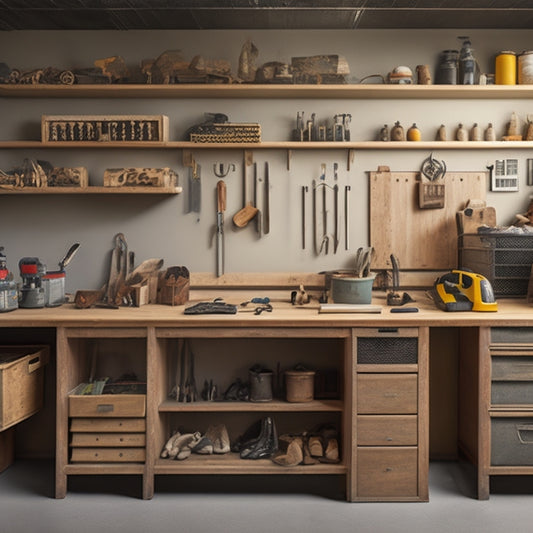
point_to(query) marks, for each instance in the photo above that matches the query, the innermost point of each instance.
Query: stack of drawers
(511, 403)
(108, 428)
(387, 422)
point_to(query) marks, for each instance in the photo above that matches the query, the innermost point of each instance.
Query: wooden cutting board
(421, 239)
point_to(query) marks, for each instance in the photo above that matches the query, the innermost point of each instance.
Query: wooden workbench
(149, 336)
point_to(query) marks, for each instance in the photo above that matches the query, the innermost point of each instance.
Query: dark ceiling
(262, 14)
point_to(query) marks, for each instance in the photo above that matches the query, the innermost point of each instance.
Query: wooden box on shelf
(104, 128)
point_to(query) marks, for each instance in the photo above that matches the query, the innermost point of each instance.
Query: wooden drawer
(387, 472)
(108, 425)
(387, 393)
(381, 430)
(108, 439)
(108, 455)
(107, 405)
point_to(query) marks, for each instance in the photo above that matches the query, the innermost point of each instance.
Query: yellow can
(505, 68)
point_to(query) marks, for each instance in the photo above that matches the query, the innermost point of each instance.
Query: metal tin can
(505, 68)
(525, 68)
(447, 69)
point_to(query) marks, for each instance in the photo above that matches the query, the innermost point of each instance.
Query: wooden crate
(7, 448)
(104, 128)
(21, 382)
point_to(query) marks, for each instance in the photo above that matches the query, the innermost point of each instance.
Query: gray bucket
(346, 289)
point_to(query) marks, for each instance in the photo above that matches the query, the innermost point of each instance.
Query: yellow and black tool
(463, 290)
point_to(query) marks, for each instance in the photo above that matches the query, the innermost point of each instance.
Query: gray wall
(45, 226)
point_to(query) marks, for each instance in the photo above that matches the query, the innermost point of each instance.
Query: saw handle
(221, 196)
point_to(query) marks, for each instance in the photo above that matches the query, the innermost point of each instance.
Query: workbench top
(511, 312)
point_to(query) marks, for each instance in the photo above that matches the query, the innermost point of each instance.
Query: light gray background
(45, 226)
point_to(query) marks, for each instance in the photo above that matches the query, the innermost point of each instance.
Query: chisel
(221, 207)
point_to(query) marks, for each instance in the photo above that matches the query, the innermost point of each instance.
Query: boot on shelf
(265, 445)
(218, 435)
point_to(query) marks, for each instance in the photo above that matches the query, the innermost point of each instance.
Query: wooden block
(140, 177)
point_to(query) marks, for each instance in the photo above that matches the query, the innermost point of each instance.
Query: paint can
(505, 67)
(525, 68)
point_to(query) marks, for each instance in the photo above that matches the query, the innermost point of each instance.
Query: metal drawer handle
(105, 408)
(522, 430)
(388, 469)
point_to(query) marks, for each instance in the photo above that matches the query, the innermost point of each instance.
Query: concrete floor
(251, 505)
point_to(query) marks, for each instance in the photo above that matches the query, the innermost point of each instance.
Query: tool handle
(221, 196)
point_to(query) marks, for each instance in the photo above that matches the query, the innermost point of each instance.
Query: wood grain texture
(421, 239)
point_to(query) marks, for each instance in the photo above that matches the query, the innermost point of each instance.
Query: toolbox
(21, 382)
(505, 259)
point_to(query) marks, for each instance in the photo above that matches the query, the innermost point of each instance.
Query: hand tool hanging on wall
(221, 207)
(248, 211)
(259, 215)
(336, 234)
(347, 190)
(305, 188)
(195, 187)
(266, 226)
(321, 236)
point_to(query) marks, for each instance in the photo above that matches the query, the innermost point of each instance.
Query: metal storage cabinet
(501, 442)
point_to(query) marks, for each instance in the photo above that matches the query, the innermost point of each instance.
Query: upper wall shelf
(270, 91)
(276, 145)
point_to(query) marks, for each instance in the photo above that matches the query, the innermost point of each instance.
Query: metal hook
(220, 171)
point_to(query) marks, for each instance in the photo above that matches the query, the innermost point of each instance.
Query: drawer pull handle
(105, 408)
(390, 395)
(388, 469)
(525, 432)
(388, 439)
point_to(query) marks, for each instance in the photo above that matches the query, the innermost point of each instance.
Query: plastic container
(300, 385)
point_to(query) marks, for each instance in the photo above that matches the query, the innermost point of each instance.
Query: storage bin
(300, 385)
(107, 405)
(504, 259)
(512, 441)
(21, 382)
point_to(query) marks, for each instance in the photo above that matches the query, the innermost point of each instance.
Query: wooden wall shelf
(92, 190)
(275, 145)
(364, 91)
